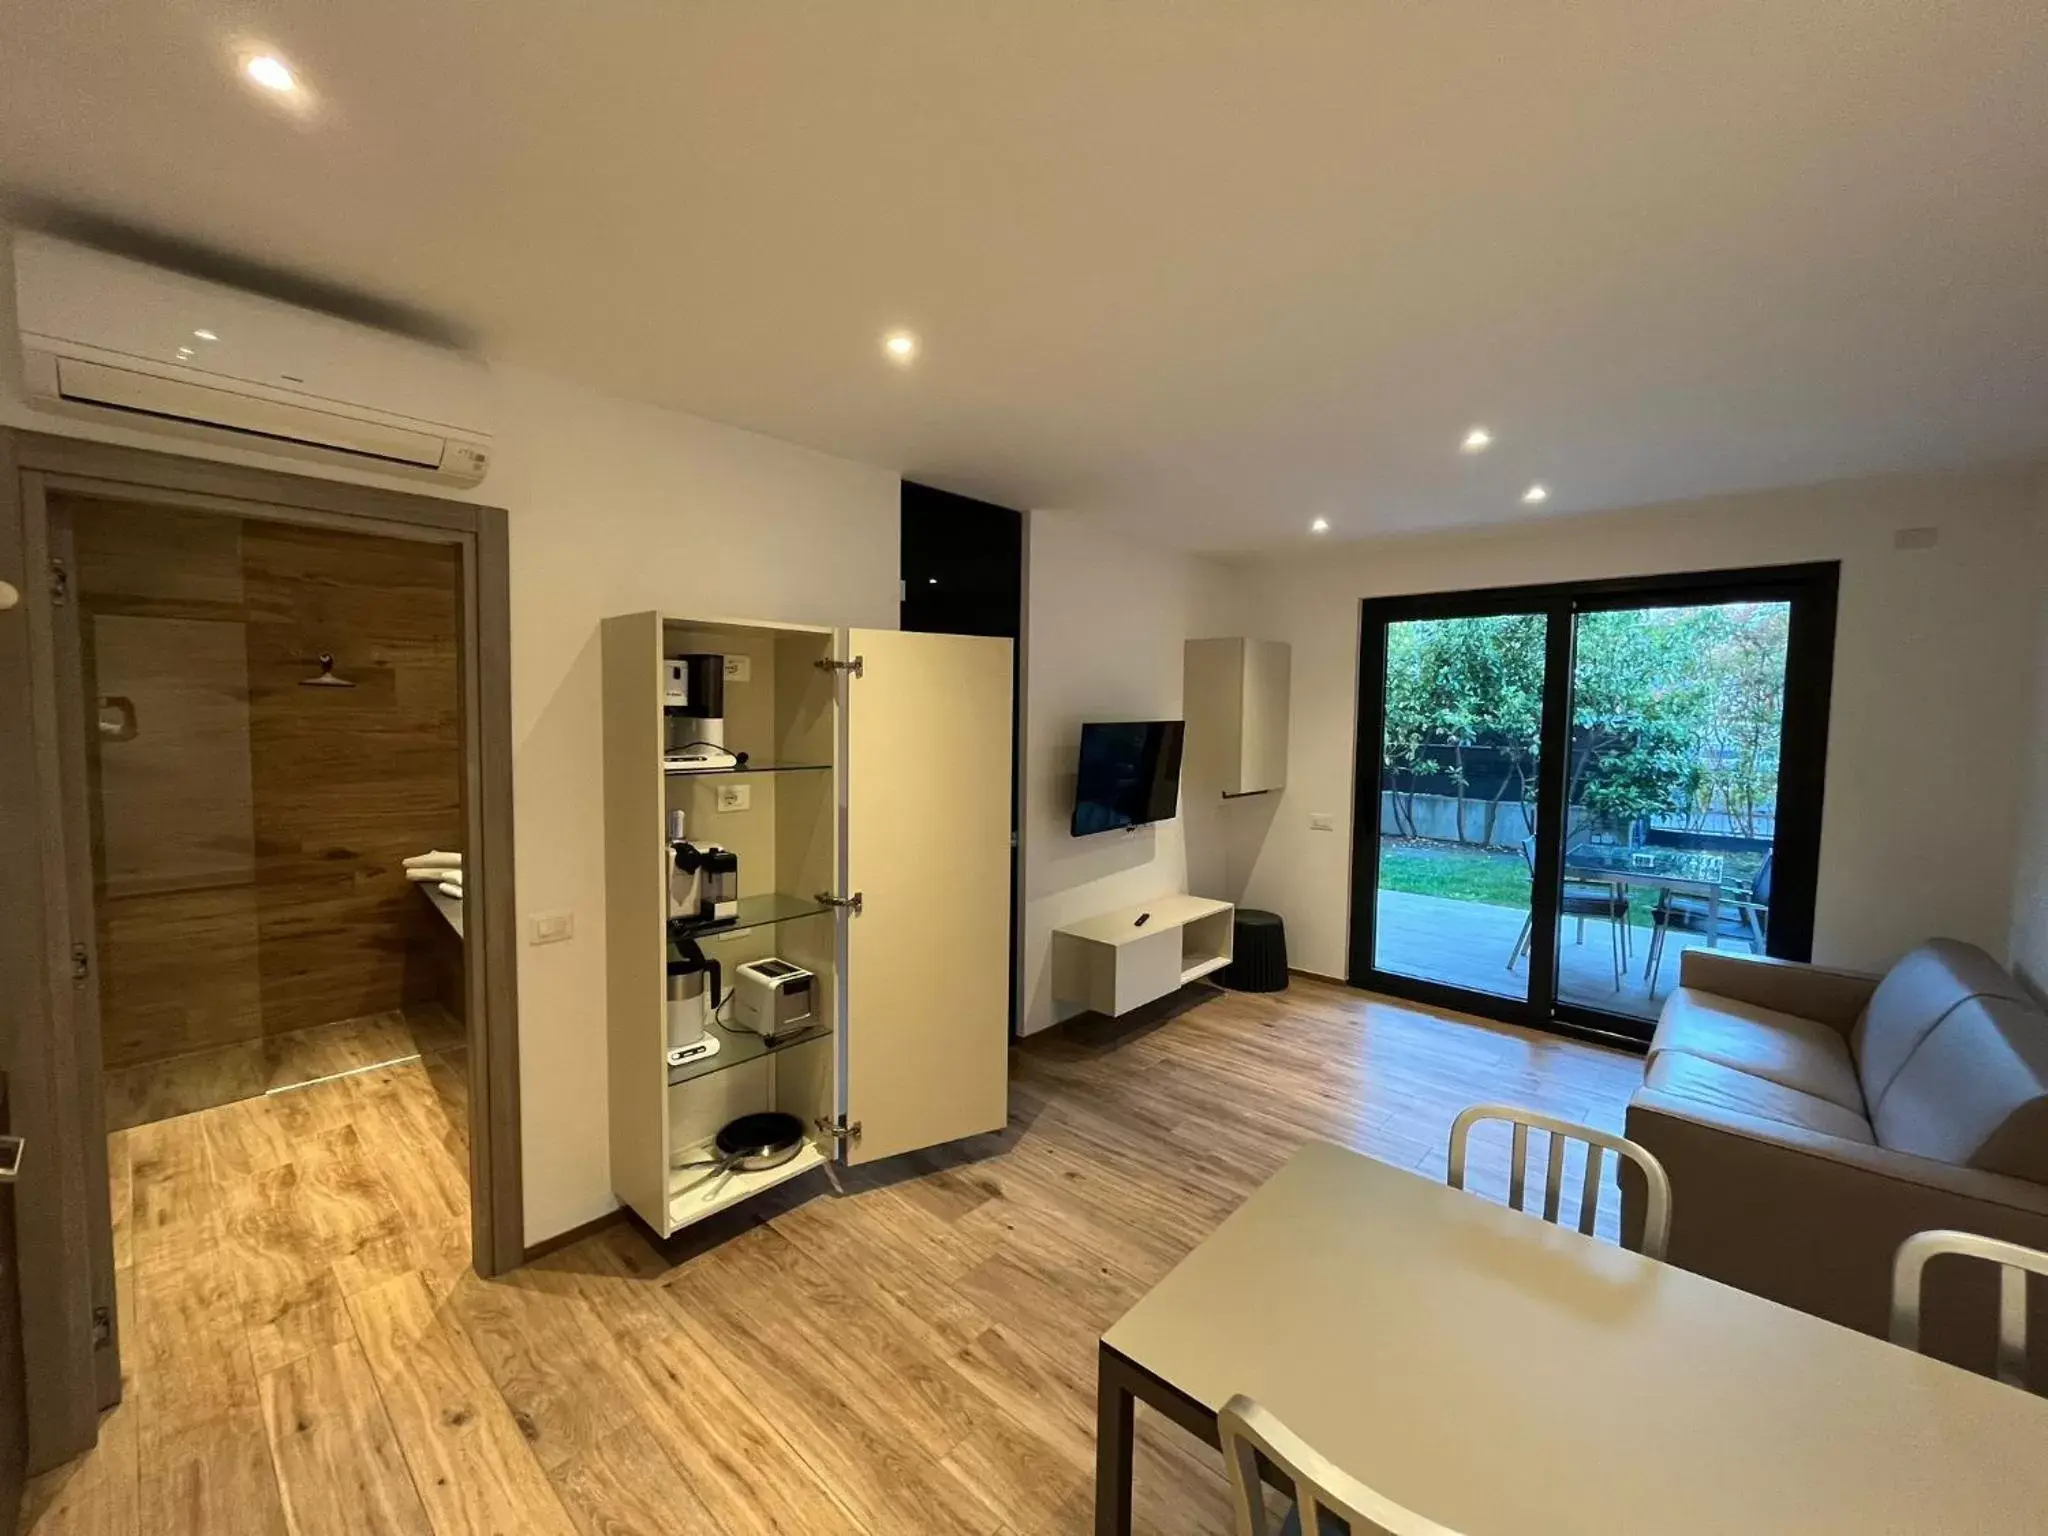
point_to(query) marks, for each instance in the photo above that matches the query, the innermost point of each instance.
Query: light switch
(739, 669)
(552, 927)
(735, 797)
(1321, 821)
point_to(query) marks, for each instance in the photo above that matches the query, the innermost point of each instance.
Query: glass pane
(1463, 710)
(1671, 794)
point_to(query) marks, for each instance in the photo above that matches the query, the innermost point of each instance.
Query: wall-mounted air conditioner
(109, 338)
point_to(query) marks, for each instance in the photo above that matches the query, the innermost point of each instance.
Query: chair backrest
(2015, 1264)
(1249, 1432)
(1656, 1210)
(1529, 855)
(1760, 887)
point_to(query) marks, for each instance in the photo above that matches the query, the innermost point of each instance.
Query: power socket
(1321, 821)
(739, 669)
(551, 927)
(735, 797)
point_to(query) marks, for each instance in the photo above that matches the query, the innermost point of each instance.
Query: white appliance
(693, 715)
(772, 997)
(132, 345)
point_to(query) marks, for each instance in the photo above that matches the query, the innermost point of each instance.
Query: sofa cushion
(1916, 995)
(1708, 1082)
(1975, 1092)
(1780, 1047)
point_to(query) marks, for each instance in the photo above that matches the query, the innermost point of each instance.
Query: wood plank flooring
(307, 1353)
(244, 1069)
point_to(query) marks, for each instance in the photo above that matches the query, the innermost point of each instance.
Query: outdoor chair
(1745, 909)
(1581, 899)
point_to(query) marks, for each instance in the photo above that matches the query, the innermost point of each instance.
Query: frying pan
(767, 1139)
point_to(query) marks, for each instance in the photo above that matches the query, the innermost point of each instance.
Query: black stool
(1258, 961)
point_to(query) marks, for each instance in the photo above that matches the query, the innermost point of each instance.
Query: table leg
(1113, 1428)
(1714, 916)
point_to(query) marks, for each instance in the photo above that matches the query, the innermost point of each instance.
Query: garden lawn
(1459, 873)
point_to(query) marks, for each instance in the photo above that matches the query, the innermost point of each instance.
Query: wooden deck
(1467, 944)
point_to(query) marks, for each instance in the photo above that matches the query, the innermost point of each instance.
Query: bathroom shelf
(738, 1046)
(758, 912)
(744, 768)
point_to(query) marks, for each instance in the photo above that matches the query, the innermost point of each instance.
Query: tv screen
(1129, 775)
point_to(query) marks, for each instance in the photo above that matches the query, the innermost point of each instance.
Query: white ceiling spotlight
(901, 346)
(1320, 525)
(1536, 494)
(1478, 440)
(271, 72)
(206, 335)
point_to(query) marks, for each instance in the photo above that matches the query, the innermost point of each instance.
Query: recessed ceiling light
(206, 336)
(1536, 493)
(184, 351)
(1320, 525)
(270, 72)
(1477, 440)
(900, 345)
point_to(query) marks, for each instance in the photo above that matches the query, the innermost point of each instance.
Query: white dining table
(1508, 1377)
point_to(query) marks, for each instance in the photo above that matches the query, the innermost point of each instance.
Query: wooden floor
(183, 1085)
(306, 1353)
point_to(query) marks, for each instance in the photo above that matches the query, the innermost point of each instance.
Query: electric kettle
(694, 993)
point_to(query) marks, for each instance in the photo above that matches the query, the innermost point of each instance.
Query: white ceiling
(1213, 267)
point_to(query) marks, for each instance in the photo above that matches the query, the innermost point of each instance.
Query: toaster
(772, 997)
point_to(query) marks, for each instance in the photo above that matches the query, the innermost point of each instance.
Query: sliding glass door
(1562, 789)
(1460, 744)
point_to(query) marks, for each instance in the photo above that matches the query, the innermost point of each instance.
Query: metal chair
(1328, 1501)
(2015, 1264)
(1745, 909)
(1581, 899)
(1656, 1210)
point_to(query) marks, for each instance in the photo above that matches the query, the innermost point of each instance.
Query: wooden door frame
(57, 1101)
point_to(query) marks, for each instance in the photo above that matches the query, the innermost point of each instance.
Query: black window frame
(1812, 591)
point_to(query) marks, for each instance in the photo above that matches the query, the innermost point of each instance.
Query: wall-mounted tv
(1129, 774)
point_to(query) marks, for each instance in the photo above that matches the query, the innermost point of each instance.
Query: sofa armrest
(1816, 992)
(1814, 1221)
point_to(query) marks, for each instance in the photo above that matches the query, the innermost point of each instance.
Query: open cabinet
(870, 823)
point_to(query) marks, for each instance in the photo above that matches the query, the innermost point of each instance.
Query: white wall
(613, 507)
(1933, 688)
(1105, 623)
(2029, 940)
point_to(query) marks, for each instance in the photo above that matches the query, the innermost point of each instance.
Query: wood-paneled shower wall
(248, 830)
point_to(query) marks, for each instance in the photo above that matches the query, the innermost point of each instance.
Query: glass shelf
(739, 1046)
(759, 912)
(750, 766)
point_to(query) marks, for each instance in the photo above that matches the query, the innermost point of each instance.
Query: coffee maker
(693, 715)
(703, 881)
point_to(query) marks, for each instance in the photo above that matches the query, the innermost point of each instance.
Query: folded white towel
(438, 859)
(449, 888)
(433, 876)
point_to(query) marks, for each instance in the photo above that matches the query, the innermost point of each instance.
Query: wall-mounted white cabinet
(1125, 959)
(1236, 704)
(873, 852)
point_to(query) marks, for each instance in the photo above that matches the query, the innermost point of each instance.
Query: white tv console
(1114, 963)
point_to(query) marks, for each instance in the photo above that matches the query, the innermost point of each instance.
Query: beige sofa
(1811, 1119)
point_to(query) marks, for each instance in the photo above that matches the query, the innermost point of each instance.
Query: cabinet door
(1263, 750)
(928, 768)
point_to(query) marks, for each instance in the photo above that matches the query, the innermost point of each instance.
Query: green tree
(1675, 711)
